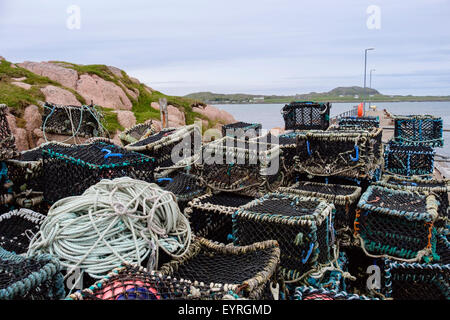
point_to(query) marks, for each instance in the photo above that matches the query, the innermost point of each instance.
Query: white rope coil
(112, 222)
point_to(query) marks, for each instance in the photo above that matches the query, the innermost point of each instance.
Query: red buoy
(360, 109)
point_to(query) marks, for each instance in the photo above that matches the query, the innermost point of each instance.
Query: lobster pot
(439, 188)
(359, 123)
(137, 132)
(311, 293)
(355, 154)
(133, 282)
(70, 170)
(241, 129)
(301, 225)
(184, 186)
(396, 223)
(344, 198)
(288, 146)
(418, 130)
(306, 115)
(8, 148)
(245, 270)
(17, 227)
(406, 160)
(32, 278)
(210, 215)
(80, 121)
(416, 281)
(170, 147)
(241, 166)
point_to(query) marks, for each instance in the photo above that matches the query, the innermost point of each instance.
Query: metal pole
(370, 85)
(365, 76)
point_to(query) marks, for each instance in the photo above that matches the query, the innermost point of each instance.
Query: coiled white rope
(112, 222)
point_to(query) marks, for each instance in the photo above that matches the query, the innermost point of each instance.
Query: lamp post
(365, 72)
(370, 84)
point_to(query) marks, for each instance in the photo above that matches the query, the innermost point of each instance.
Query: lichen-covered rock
(215, 114)
(22, 85)
(65, 76)
(104, 93)
(58, 95)
(126, 118)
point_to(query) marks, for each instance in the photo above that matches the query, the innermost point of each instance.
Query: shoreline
(331, 101)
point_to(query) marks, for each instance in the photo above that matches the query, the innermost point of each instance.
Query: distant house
(356, 96)
(258, 99)
(341, 96)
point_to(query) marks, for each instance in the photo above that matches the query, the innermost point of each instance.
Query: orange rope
(355, 224)
(430, 233)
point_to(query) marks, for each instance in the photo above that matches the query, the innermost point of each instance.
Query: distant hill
(339, 94)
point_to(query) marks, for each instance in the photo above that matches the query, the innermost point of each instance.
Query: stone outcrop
(176, 117)
(25, 86)
(59, 95)
(126, 118)
(101, 92)
(65, 76)
(215, 114)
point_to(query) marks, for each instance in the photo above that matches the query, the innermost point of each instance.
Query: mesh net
(184, 186)
(306, 116)
(136, 133)
(17, 227)
(133, 282)
(343, 197)
(6, 190)
(33, 278)
(408, 160)
(393, 222)
(167, 144)
(70, 170)
(247, 270)
(365, 123)
(211, 215)
(301, 226)
(343, 153)
(414, 281)
(8, 148)
(439, 188)
(72, 120)
(311, 293)
(238, 129)
(418, 130)
(242, 166)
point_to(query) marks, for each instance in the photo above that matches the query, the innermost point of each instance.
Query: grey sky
(263, 46)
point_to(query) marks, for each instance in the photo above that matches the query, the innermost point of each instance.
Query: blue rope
(356, 158)
(109, 154)
(311, 247)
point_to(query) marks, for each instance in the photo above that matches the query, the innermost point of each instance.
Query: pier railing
(350, 113)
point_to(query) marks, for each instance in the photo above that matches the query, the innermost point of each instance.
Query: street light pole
(370, 84)
(365, 72)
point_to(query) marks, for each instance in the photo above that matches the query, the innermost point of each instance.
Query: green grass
(18, 98)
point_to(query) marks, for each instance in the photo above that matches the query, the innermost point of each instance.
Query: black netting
(249, 268)
(210, 216)
(70, 170)
(33, 278)
(184, 186)
(418, 130)
(135, 283)
(8, 148)
(436, 187)
(394, 222)
(161, 145)
(239, 129)
(414, 281)
(242, 166)
(17, 227)
(280, 218)
(136, 132)
(84, 120)
(408, 160)
(306, 115)
(343, 153)
(359, 122)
